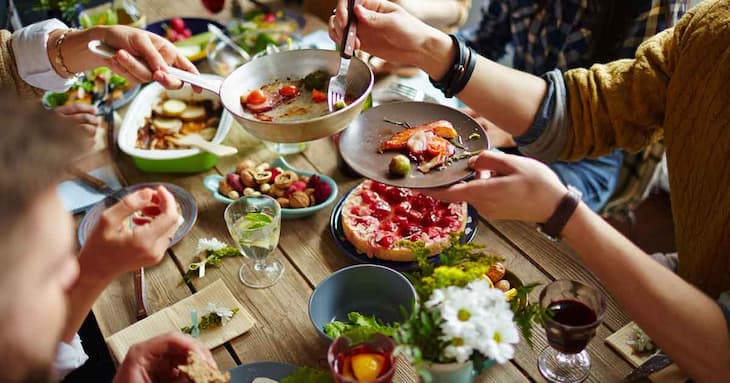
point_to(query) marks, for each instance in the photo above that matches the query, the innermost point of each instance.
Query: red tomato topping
(289, 90)
(151, 211)
(256, 97)
(141, 221)
(318, 96)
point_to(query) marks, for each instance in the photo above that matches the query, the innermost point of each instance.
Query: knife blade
(655, 363)
(96, 183)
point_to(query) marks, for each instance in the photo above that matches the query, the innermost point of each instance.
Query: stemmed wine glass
(255, 223)
(577, 310)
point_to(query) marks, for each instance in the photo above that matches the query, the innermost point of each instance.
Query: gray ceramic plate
(360, 141)
(246, 373)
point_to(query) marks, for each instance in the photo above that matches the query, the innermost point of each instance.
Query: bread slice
(199, 371)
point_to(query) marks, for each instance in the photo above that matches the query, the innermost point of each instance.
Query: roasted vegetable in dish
(173, 118)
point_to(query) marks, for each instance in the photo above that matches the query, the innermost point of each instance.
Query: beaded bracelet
(59, 57)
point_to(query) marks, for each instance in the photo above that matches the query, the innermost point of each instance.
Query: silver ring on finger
(334, 11)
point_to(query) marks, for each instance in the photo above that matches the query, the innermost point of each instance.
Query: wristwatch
(555, 224)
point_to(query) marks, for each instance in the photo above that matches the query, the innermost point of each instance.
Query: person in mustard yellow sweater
(676, 88)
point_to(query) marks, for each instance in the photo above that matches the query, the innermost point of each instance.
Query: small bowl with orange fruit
(354, 359)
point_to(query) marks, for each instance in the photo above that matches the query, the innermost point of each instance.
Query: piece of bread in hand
(199, 371)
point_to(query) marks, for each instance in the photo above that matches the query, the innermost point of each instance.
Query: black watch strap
(555, 224)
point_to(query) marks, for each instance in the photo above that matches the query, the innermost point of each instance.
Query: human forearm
(438, 13)
(688, 325)
(507, 97)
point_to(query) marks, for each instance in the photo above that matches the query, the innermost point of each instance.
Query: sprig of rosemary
(403, 124)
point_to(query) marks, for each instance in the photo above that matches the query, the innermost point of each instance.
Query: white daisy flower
(499, 343)
(223, 312)
(205, 244)
(459, 350)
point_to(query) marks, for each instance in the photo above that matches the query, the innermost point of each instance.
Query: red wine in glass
(573, 315)
(576, 311)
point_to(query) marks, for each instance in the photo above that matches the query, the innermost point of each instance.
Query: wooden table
(283, 331)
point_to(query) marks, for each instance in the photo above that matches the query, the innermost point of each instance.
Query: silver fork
(338, 86)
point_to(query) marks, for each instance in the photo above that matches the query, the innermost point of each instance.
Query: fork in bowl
(338, 86)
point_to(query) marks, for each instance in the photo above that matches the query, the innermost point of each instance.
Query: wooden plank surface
(283, 331)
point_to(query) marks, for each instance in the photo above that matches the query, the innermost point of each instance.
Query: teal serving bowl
(212, 181)
(371, 290)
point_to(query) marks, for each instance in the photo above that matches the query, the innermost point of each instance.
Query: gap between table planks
(309, 247)
(608, 366)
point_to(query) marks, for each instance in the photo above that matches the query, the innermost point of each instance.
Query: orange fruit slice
(367, 367)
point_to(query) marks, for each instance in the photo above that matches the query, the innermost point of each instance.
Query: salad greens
(308, 375)
(358, 321)
(86, 83)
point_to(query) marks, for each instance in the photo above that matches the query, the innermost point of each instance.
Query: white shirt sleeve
(69, 357)
(31, 56)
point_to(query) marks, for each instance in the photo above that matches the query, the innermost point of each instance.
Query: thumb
(499, 162)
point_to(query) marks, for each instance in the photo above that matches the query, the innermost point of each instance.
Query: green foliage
(308, 375)
(213, 258)
(527, 315)
(55, 100)
(208, 321)
(67, 7)
(358, 321)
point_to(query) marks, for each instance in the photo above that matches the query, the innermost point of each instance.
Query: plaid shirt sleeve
(656, 16)
(491, 37)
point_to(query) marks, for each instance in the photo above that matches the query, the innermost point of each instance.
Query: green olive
(400, 166)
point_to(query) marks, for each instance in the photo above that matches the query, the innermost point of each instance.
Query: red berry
(235, 181)
(322, 191)
(381, 210)
(296, 186)
(387, 241)
(415, 216)
(402, 208)
(448, 221)
(409, 230)
(269, 17)
(430, 218)
(214, 6)
(177, 24)
(378, 187)
(368, 197)
(395, 195)
(186, 33)
(275, 172)
(388, 226)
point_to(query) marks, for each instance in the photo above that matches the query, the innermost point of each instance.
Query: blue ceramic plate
(246, 373)
(187, 206)
(211, 183)
(338, 235)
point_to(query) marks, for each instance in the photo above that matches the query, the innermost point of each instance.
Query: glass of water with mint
(254, 224)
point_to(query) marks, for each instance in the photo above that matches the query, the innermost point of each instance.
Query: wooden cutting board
(174, 317)
(618, 341)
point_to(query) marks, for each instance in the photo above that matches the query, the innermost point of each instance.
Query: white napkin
(78, 196)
